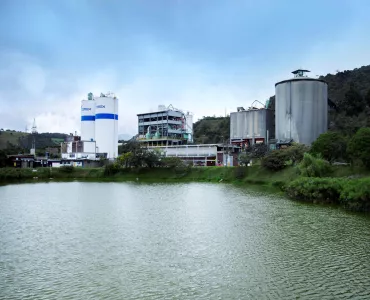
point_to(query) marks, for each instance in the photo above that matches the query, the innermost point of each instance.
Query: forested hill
(340, 83)
(211, 130)
(349, 90)
(18, 141)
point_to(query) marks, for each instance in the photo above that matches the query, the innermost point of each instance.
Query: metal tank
(301, 108)
(250, 124)
(88, 120)
(106, 125)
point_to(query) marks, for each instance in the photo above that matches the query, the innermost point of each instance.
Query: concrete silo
(106, 125)
(301, 108)
(88, 123)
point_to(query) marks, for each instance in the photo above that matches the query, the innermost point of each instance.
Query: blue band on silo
(106, 116)
(87, 118)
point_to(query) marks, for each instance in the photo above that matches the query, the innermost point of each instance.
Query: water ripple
(176, 241)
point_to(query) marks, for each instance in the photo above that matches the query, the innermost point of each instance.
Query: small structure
(21, 160)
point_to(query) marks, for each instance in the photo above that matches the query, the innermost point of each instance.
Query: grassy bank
(342, 188)
(255, 175)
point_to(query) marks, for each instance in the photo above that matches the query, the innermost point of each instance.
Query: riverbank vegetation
(300, 172)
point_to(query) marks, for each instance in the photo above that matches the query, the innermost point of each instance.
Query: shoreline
(352, 194)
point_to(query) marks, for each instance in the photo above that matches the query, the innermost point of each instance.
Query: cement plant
(300, 115)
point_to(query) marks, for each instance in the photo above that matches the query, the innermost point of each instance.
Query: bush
(66, 169)
(326, 190)
(353, 194)
(356, 194)
(359, 147)
(330, 145)
(172, 162)
(312, 166)
(275, 160)
(295, 152)
(240, 172)
(111, 169)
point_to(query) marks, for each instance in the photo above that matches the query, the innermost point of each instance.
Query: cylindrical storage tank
(301, 109)
(189, 127)
(106, 126)
(116, 124)
(87, 120)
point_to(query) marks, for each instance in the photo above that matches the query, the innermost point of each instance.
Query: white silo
(116, 122)
(189, 126)
(106, 125)
(88, 120)
(301, 108)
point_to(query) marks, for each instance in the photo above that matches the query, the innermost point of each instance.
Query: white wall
(106, 125)
(185, 151)
(87, 120)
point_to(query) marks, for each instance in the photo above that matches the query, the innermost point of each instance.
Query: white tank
(116, 123)
(87, 120)
(189, 127)
(106, 125)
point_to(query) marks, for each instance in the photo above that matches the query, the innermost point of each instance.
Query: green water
(176, 241)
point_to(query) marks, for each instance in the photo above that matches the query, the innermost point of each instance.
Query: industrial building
(202, 154)
(301, 108)
(251, 126)
(99, 130)
(167, 126)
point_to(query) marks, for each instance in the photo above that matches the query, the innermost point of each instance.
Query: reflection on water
(176, 241)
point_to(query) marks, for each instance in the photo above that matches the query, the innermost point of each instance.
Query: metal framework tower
(34, 132)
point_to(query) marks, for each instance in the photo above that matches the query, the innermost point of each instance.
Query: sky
(203, 56)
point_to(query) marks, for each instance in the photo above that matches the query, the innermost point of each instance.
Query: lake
(79, 240)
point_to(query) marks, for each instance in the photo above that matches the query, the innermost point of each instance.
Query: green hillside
(212, 130)
(10, 138)
(349, 90)
(22, 142)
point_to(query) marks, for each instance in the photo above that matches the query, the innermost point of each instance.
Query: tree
(296, 152)
(150, 158)
(353, 103)
(131, 146)
(124, 160)
(275, 160)
(359, 147)
(271, 104)
(367, 98)
(256, 151)
(3, 159)
(348, 125)
(244, 159)
(331, 146)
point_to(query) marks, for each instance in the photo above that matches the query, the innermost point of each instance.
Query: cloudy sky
(203, 56)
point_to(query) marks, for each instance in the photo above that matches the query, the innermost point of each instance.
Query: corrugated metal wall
(250, 123)
(301, 110)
